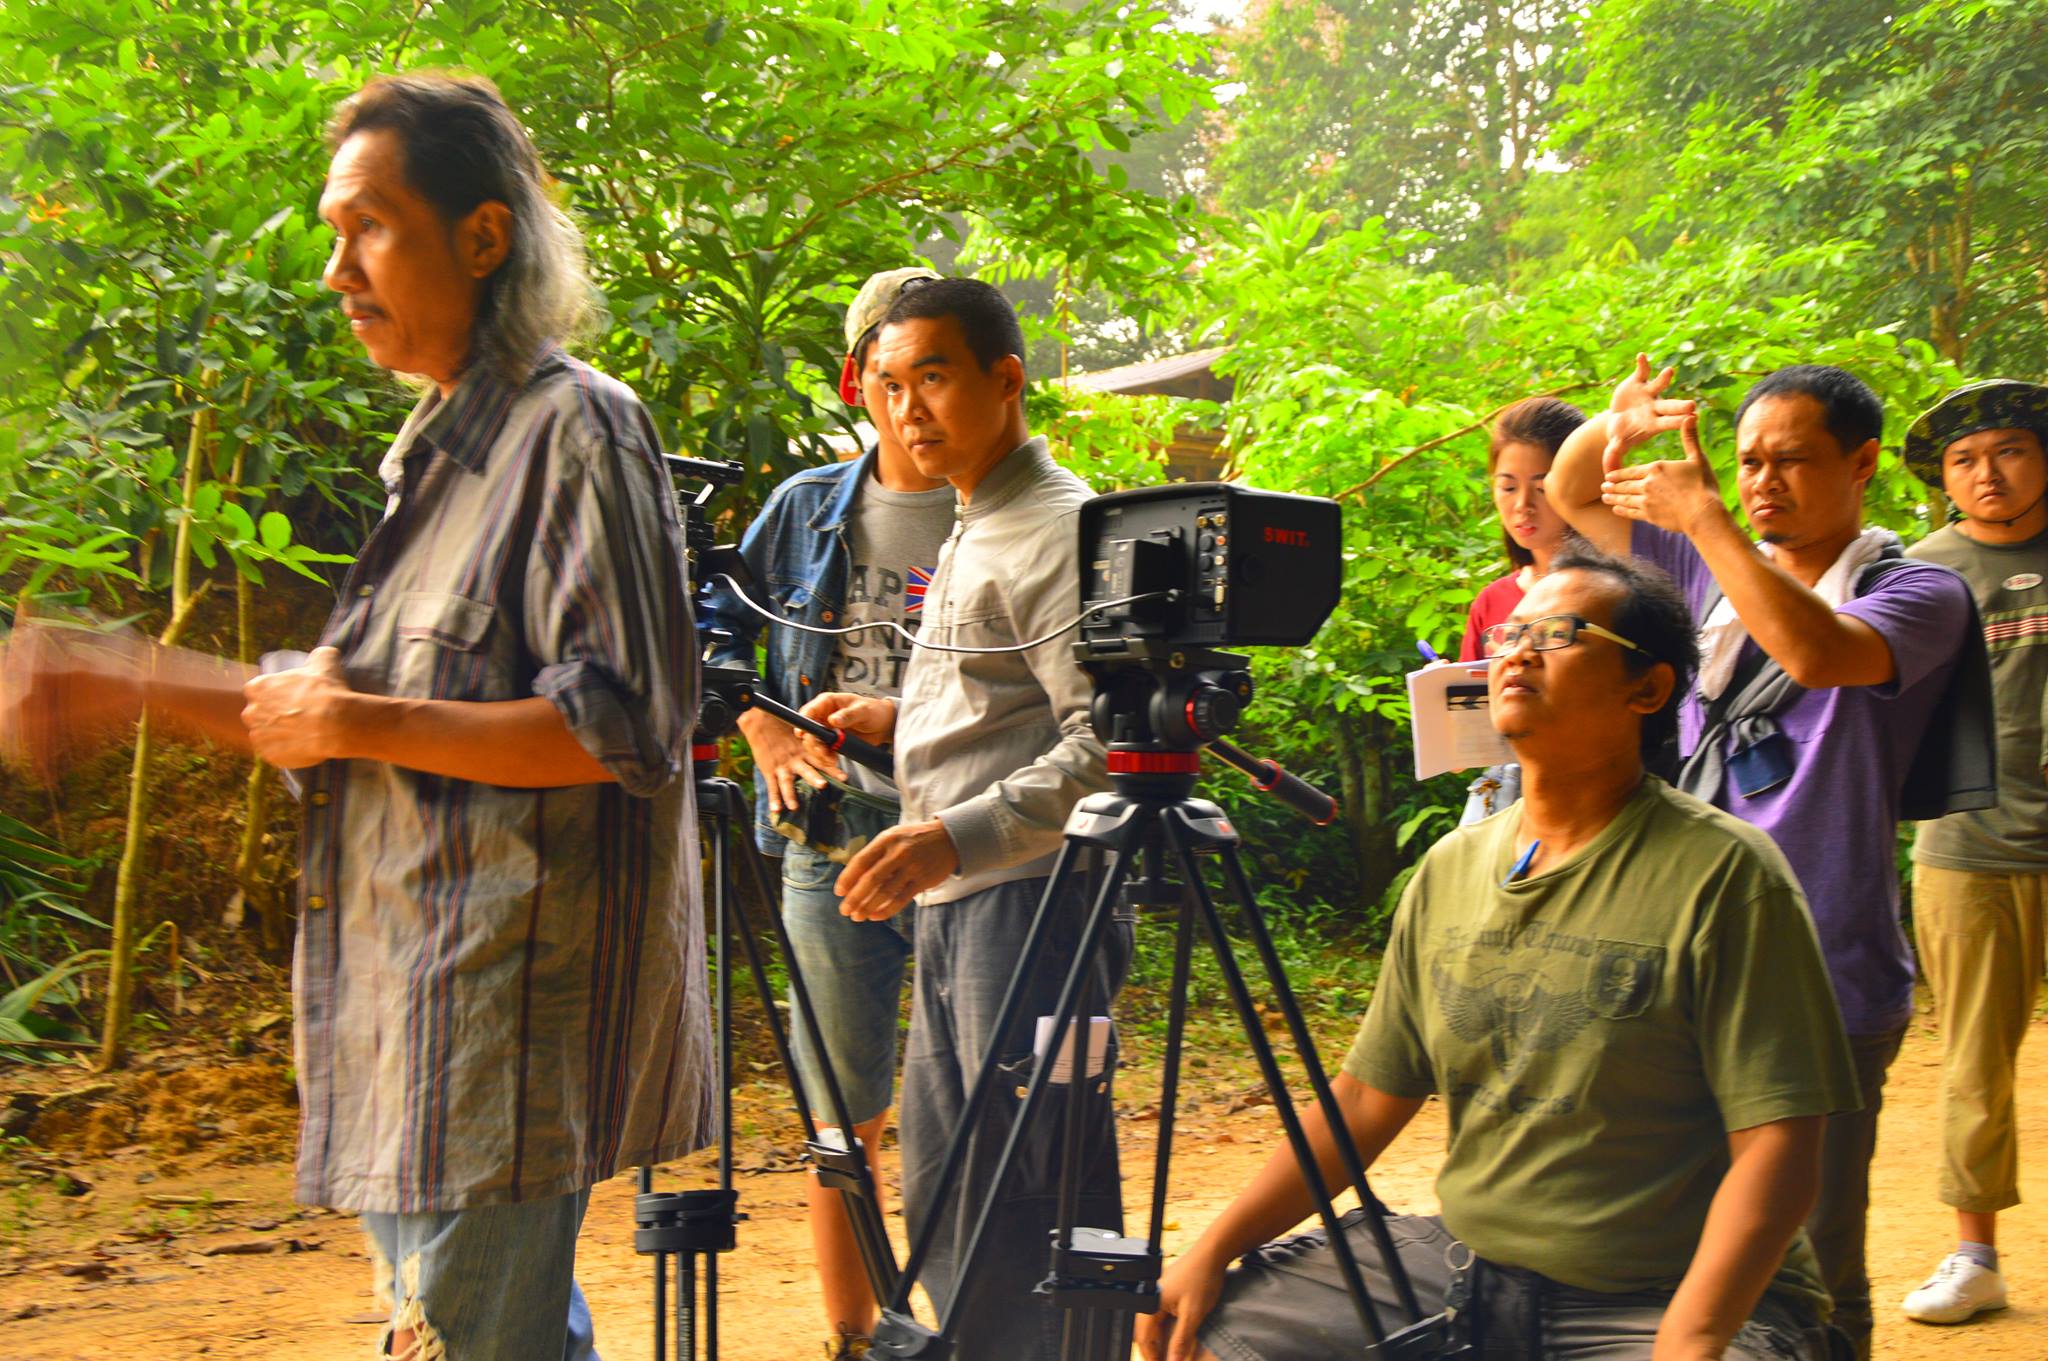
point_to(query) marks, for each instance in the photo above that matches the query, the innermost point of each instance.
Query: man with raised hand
(499, 990)
(1980, 878)
(1616, 992)
(848, 544)
(993, 750)
(1824, 658)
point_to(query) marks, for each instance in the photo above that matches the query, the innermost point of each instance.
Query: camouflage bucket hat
(870, 305)
(1998, 404)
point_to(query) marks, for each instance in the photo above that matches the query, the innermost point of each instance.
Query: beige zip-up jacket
(998, 746)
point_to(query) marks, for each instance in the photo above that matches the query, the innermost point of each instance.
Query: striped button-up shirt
(500, 992)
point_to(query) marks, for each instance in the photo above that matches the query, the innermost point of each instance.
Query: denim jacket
(798, 552)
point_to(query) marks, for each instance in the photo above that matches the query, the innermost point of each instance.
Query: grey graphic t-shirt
(893, 540)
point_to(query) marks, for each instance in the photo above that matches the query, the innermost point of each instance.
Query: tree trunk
(128, 878)
(257, 893)
(1362, 740)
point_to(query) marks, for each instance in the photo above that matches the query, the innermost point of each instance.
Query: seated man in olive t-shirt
(1617, 992)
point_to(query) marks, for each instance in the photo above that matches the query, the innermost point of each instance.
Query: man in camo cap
(1980, 879)
(850, 543)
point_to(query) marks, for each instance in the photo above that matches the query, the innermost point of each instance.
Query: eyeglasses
(1547, 634)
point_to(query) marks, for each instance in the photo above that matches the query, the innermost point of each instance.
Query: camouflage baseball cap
(870, 305)
(873, 301)
(1997, 404)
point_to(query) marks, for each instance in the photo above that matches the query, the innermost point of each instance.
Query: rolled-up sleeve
(607, 606)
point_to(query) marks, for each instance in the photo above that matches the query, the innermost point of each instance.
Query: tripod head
(1157, 707)
(728, 690)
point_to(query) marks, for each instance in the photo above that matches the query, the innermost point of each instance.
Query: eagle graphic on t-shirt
(1513, 1006)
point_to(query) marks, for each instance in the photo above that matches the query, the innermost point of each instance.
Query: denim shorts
(491, 1281)
(854, 973)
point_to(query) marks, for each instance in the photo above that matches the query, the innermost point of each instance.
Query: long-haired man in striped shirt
(499, 986)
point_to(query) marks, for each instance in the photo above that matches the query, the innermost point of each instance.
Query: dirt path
(149, 1290)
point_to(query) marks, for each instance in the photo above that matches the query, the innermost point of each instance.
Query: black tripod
(685, 1231)
(1158, 712)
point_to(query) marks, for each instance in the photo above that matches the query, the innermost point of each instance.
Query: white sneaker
(1959, 1289)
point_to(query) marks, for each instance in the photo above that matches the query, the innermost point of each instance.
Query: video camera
(1171, 574)
(1222, 565)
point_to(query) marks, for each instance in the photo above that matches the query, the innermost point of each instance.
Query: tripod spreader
(1103, 1269)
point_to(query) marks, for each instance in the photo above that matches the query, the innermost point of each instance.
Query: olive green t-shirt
(1596, 1030)
(2010, 582)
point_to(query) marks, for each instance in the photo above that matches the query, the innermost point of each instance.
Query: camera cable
(1091, 612)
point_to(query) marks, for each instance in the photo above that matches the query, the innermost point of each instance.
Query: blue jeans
(966, 953)
(854, 973)
(493, 1281)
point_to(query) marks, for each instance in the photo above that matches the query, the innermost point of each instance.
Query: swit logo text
(1292, 538)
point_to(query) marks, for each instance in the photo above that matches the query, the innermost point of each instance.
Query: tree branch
(1441, 440)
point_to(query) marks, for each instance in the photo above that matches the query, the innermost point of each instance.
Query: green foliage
(1912, 138)
(153, 283)
(821, 142)
(157, 306)
(1378, 393)
(1111, 440)
(1430, 114)
(1437, 207)
(40, 956)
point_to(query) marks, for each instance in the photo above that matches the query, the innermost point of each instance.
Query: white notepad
(1452, 723)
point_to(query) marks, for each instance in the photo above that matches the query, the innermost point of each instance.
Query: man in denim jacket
(838, 546)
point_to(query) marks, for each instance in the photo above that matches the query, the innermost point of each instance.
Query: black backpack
(1956, 767)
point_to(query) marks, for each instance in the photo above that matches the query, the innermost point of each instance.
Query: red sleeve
(1468, 651)
(1489, 607)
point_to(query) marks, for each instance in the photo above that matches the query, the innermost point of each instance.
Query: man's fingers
(858, 868)
(1612, 455)
(824, 706)
(1689, 436)
(326, 661)
(1661, 381)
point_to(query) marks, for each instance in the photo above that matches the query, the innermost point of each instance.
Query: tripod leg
(721, 869)
(1071, 990)
(686, 1307)
(1076, 1036)
(1318, 1077)
(984, 1079)
(1169, 1078)
(661, 1306)
(711, 1307)
(863, 1206)
(1276, 1084)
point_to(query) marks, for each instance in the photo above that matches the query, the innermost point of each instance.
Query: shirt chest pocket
(976, 617)
(443, 649)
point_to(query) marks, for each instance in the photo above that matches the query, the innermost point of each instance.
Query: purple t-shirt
(1837, 818)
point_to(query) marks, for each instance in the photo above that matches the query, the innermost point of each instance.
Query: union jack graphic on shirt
(914, 589)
